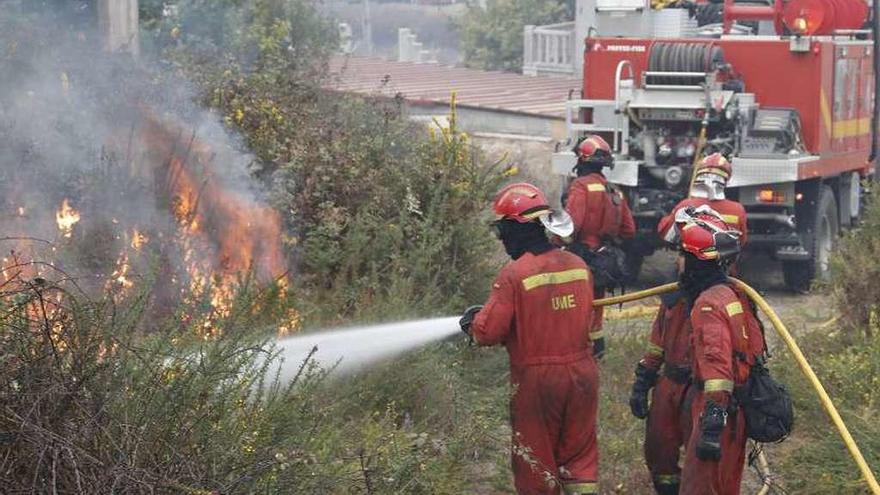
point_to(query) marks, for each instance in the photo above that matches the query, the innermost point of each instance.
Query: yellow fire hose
(798, 356)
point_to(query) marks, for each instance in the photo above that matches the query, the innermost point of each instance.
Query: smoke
(134, 156)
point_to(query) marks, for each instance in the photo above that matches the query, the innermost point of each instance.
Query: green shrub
(855, 270)
(492, 38)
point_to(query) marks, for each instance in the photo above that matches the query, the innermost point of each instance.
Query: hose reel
(683, 57)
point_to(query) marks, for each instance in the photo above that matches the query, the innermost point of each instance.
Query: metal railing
(549, 49)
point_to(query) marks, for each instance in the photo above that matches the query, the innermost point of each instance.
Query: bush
(384, 220)
(855, 270)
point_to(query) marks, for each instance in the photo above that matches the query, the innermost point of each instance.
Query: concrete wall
(475, 120)
(118, 22)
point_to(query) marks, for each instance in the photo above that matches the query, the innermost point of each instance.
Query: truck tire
(818, 241)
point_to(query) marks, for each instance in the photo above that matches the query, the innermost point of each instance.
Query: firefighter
(724, 348)
(540, 309)
(665, 367)
(710, 181)
(600, 214)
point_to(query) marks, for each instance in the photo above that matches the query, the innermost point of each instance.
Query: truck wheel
(819, 241)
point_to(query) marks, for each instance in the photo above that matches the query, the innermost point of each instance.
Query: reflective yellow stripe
(826, 111)
(734, 219)
(714, 170)
(536, 214)
(734, 308)
(597, 335)
(850, 128)
(580, 488)
(655, 349)
(554, 278)
(718, 385)
(595, 188)
(667, 479)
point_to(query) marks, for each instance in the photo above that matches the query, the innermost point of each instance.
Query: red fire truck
(785, 91)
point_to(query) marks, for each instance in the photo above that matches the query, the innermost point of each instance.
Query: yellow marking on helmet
(714, 170)
(718, 385)
(555, 278)
(734, 308)
(525, 191)
(732, 219)
(595, 188)
(536, 214)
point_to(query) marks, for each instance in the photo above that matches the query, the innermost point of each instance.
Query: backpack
(612, 211)
(767, 406)
(607, 264)
(765, 402)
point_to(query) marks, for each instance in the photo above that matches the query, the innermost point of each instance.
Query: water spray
(351, 349)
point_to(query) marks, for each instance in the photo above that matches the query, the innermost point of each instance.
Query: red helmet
(709, 238)
(715, 164)
(522, 202)
(592, 146)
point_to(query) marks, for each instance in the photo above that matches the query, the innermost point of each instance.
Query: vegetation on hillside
(383, 221)
(492, 37)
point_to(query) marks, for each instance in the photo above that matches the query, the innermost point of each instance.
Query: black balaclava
(593, 165)
(698, 276)
(519, 238)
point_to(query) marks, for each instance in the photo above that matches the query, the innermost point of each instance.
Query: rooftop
(432, 83)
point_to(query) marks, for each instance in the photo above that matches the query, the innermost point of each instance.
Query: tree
(492, 37)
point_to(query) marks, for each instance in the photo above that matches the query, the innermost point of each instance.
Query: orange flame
(66, 217)
(138, 240)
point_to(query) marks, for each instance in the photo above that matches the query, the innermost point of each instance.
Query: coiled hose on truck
(783, 332)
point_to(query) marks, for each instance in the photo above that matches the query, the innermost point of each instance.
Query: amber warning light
(771, 196)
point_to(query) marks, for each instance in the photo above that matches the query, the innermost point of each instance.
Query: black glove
(712, 421)
(599, 348)
(638, 398)
(468, 319)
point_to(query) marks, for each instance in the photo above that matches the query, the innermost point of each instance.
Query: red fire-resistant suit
(596, 220)
(724, 351)
(731, 212)
(540, 309)
(669, 419)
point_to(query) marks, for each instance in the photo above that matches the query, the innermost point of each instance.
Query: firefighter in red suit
(665, 367)
(540, 309)
(599, 211)
(723, 352)
(712, 175)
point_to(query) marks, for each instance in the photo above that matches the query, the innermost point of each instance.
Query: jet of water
(357, 347)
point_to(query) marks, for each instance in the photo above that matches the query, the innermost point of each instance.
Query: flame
(66, 217)
(120, 275)
(138, 240)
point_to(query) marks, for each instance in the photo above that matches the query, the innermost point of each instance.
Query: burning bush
(91, 407)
